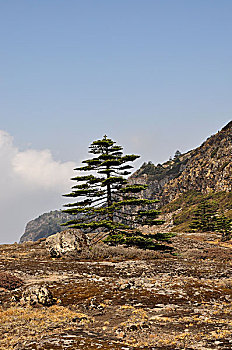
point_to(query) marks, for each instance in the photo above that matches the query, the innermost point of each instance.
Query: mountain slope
(208, 169)
(45, 225)
(204, 173)
(180, 184)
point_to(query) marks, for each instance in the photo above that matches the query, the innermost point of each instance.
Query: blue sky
(155, 76)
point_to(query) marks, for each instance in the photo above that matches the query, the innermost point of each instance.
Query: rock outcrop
(205, 169)
(156, 177)
(37, 294)
(208, 169)
(45, 225)
(66, 242)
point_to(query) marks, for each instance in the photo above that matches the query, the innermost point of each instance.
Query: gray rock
(37, 294)
(45, 225)
(66, 242)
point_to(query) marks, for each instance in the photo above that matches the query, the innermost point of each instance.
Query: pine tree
(204, 218)
(107, 203)
(177, 155)
(224, 226)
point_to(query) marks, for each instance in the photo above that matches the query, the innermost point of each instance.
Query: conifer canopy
(207, 218)
(107, 203)
(203, 218)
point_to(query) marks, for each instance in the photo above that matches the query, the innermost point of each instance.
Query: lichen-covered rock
(37, 294)
(66, 242)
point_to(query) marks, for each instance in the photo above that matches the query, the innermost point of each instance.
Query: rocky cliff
(45, 225)
(157, 177)
(180, 183)
(207, 170)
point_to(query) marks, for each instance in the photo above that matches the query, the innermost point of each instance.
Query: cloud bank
(31, 183)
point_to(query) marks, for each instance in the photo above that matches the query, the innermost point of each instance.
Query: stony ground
(179, 301)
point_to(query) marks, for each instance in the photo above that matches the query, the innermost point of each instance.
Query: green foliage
(141, 241)
(177, 155)
(204, 218)
(187, 204)
(147, 168)
(171, 169)
(207, 218)
(107, 203)
(224, 226)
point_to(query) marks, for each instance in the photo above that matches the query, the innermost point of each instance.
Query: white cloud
(31, 182)
(39, 169)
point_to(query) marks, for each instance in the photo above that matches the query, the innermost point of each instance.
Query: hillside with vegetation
(184, 206)
(69, 292)
(208, 169)
(203, 174)
(180, 184)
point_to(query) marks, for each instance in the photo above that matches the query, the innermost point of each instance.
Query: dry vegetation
(9, 281)
(115, 298)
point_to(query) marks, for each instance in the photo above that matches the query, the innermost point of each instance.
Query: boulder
(37, 294)
(66, 242)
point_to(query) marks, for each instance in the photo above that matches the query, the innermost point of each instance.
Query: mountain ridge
(208, 169)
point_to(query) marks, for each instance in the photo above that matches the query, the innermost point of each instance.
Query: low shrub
(102, 251)
(9, 281)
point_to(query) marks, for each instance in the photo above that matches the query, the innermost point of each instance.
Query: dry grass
(34, 323)
(123, 298)
(118, 253)
(9, 281)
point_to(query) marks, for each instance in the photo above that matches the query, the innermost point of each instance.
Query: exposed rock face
(209, 169)
(37, 294)
(66, 242)
(45, 225)
(156, 177)
(205, 169)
